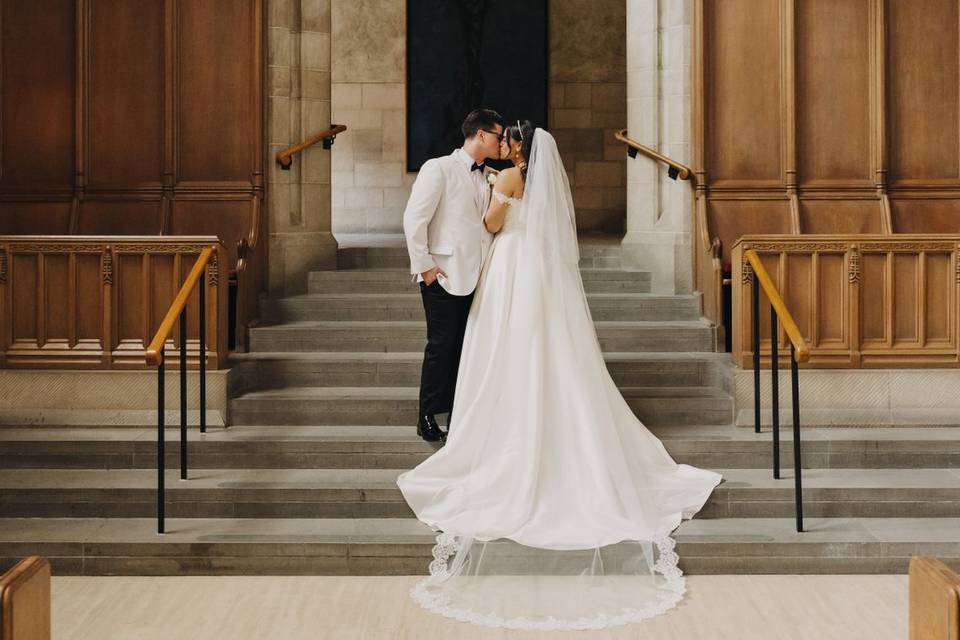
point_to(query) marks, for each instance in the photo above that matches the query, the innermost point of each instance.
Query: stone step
(270, 370)
(373, 493)
(398, 281)
(402, 546)
(398, 447)
(411, 336)
(409, 306)
(604, 256)
(399, 405)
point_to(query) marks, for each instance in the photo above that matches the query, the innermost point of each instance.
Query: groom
(447, 241)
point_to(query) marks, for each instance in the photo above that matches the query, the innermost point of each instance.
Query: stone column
(300, 235)
(658, 115)
(370, 181)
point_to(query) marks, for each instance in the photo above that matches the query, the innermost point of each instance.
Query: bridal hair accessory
(520, 130)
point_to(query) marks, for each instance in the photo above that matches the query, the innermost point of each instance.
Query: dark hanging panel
(464, 54)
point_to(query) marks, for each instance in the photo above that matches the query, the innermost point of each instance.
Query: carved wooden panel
(829, 117)
(96, 301)
(124, 100)
(735, 217)
(216, 100)
(112, 110)
(230, 219)
(744, 123)
(37, 98)
(859, 300)
(834, 59)
(19, 217)
(923, 77)
(926, 215)
(842, 216)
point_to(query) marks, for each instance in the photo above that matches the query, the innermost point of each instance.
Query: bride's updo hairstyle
(522, 131)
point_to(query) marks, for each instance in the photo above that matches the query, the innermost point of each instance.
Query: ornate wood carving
(159, 248)
(107, 267)
(907, 247)
(854, 267)
(55, 247)
(799, 246)
(214, 271)
(956, 264)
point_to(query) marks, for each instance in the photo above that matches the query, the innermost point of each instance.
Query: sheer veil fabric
(552, 502)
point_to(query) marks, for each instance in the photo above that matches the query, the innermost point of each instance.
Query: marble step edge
(397, 530)
(700, 323)
(402, 546)
(748, 484)
(411, 297)
(399, 272)
(359, 454)
(818, 438)
(678, 357)
(688, 393)
(391, 244)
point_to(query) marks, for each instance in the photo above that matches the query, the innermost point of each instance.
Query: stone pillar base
(855, 397)
(294, 255)
(665, 254)
(106, 398)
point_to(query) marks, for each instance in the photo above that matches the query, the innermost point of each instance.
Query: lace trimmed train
(602, 601)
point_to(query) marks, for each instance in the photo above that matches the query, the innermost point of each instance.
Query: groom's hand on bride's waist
(431, 274)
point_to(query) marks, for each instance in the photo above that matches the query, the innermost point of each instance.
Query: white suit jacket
(443, 223)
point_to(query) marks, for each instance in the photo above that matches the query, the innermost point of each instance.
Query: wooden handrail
(789, 325)
(677, 170)
(25, 600)
(285, 157)
(154, 355)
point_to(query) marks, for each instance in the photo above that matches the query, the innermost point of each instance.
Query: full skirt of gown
(554, 504)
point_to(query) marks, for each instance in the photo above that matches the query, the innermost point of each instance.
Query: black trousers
(446, 323)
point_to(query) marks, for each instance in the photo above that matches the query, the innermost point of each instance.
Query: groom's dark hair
(480, 119)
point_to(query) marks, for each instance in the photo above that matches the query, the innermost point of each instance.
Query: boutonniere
(491, 177)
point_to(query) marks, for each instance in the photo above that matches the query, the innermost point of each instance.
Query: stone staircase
(322, 414)
(349, 351)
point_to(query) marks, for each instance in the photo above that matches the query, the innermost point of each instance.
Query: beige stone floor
(290, 608)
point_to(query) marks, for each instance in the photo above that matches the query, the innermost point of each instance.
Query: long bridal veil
(553, 502)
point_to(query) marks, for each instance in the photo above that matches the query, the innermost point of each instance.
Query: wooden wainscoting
(94, 302)
(860, 300)
(139, 119)
(839, 125)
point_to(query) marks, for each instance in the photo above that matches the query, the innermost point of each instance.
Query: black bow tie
(476, 166)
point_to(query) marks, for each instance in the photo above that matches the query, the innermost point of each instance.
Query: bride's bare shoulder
(509, 178)
(511, 173)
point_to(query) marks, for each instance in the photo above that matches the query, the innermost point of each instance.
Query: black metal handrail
(155, 357)
(799, 352)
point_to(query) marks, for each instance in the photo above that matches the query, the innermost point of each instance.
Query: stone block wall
(587, 104)
(370, 184)
(299, 200)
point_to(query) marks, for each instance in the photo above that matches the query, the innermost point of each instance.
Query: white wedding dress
(553, 502)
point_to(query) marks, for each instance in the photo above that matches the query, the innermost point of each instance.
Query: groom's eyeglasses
(499, 135)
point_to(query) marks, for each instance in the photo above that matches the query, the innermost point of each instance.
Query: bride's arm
(505, 185)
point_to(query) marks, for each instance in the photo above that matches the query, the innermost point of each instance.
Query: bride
(555, 504)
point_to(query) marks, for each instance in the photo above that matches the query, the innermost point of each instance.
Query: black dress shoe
(428, 429)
